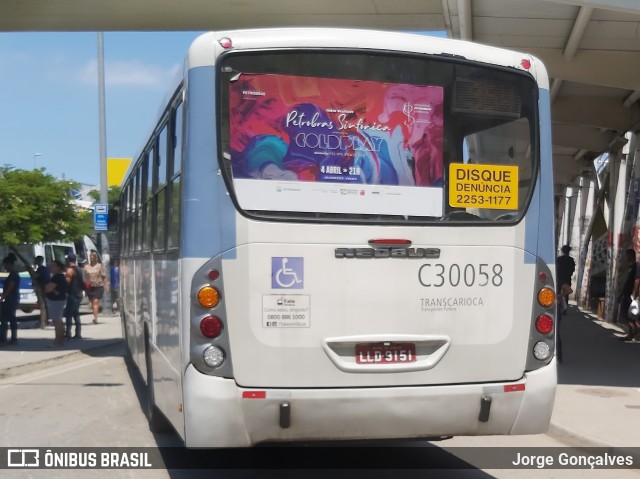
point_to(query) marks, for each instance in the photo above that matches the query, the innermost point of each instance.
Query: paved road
(96, 401)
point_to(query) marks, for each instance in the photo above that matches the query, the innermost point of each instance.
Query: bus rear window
(326, 145)
(375, 138)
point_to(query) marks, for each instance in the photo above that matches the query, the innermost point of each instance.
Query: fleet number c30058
(436, 275)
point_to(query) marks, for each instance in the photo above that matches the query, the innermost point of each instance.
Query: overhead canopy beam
(595, 111)
(623, 6)
(565, 169)
(617, 69)
(582, 20)
(631, 99)
(581, 137)
(168, 15)
(465, 18)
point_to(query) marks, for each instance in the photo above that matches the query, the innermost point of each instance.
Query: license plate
(385, 353)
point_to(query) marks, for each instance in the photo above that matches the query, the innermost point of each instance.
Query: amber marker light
(546, 297)
(208, 297)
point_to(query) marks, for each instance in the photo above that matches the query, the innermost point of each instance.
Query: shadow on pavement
(91, 347)
(593, 355)
(401, 458)
(32, 338)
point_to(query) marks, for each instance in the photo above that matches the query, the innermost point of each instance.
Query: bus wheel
(128, 357)
(157, 422)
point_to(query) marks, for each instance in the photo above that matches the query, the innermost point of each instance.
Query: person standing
(75, 287)
(114, 277)
(42, 272)
(56, 296)
(10, 300)
(94, 272)
(629, 291)
(565, 267)
(43, 276)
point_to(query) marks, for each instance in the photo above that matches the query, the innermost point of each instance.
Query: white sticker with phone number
(286, 311)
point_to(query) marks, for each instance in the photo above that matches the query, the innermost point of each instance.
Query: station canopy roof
(591, 48)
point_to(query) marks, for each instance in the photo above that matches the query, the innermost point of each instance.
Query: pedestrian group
(628, 301)
(63, 286)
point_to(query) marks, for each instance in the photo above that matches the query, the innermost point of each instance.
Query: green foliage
(113, 195)
(36, 207)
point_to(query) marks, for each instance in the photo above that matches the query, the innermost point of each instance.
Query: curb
(578, 441)
(572, 438)
(57, 360)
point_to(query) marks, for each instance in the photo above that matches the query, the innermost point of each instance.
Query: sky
(49, 96)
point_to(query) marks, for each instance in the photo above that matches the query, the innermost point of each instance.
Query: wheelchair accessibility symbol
(287, 273)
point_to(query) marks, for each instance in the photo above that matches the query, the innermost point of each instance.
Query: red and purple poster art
(333, 130)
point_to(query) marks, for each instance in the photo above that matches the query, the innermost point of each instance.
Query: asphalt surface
(597, 400)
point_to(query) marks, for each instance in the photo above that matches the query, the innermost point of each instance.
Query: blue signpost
(100, 216)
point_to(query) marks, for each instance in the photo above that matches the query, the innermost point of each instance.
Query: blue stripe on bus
(208, 214)
(532, 222)
(539, 236)
(25, 280)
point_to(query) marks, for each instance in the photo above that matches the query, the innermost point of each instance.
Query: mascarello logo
(287, 272)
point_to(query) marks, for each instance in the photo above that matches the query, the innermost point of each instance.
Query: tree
(113, 195)
(36, 207)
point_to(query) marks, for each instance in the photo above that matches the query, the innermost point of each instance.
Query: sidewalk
(597, 400)
(598, 395)
(34, 347)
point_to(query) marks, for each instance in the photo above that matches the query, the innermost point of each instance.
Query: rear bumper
(28, 300)
(28, 307)
(218, 414)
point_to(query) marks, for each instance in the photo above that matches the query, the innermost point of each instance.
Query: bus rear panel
(364, 247)
(387, 270)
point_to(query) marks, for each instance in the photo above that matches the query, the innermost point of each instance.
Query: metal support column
(586, 199)
(104, 188)
(560, 204)
(625, 219)
(585, 251)
(615, 170)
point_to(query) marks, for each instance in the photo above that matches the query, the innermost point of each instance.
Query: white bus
(343, 234)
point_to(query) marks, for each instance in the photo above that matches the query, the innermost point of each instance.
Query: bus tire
(128, 357)
(158, 423)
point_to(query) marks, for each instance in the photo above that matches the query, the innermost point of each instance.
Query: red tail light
(211, 326)
(544, 324)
